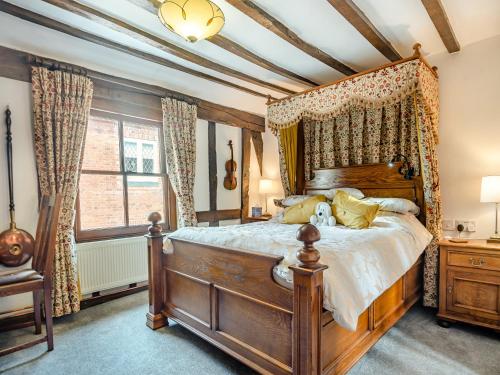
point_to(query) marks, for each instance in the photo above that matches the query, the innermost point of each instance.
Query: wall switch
(469, 225)
(448, 224)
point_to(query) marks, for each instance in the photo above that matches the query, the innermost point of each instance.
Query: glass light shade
(490, 189)
(266, 186)
(192, 19)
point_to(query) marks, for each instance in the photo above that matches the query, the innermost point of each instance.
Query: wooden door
(475, 294)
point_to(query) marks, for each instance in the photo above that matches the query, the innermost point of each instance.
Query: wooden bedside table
(251, 219)
(469, 283)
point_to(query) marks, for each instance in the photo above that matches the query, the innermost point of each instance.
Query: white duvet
(362, 264)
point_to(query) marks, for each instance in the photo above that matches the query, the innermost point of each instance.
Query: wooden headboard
(374, 180)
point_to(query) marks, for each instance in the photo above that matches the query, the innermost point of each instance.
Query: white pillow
(358, 194)
(293, 199)
(398, 205)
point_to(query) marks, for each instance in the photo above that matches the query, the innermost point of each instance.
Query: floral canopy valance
(382, 87)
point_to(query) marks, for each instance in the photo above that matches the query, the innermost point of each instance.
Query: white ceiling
(402, 22)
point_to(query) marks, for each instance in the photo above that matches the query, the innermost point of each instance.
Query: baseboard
(98, 299)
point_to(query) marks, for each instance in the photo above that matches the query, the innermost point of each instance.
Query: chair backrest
(46, 234)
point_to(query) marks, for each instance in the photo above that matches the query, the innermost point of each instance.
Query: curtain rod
(416, 55)
(56, 65)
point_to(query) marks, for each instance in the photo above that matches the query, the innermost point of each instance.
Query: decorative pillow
(398, 205)
(352, 212)
(356, 193)
(300, 213)
(292, 200)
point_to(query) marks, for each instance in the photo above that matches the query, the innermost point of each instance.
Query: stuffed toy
(323, 216)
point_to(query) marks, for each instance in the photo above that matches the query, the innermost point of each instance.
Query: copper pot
(16, 247)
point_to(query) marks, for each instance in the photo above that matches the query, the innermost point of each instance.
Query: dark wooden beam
(157, 42)
(61, 27)
(212, 169)
(134, 95)
(235, 48)
(210, 216)
(246, 137)
(258, 145)
(360, 22)
(272, 24)
(440, 20)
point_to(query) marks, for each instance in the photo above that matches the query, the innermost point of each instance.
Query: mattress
(362, 264)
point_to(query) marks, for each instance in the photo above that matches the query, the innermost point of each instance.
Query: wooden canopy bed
(230, 298)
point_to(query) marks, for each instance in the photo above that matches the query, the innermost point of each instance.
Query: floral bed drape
(179, 130)
(61, 105)
(370, 119)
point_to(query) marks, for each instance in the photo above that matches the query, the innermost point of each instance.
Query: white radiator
(110, 264)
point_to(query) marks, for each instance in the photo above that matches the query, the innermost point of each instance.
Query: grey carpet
(113, 339)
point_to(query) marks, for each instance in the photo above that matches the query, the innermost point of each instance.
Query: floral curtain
(61, 105)
(370, 119)
(179, 131)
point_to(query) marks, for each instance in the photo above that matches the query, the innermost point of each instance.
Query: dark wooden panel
(272, 24)
(258, 145)
(337, 340)
(360, 22)
(212, 166)
(440, 20)
(189, 296)
(264, 325)
(245, 272)
(388, 301)
(162, 44)
(246, 137)
(217, 215)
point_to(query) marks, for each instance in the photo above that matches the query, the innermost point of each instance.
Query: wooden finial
(416, 48)
(308, 256)
(269, 99)
(155, 228)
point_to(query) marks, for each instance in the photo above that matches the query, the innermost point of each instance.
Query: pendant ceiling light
(192, 19)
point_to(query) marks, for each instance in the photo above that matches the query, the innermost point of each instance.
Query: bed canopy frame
(366, 118)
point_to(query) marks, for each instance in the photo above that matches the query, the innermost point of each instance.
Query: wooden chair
(38, 279)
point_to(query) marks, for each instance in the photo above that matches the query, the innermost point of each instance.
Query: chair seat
(18, 276)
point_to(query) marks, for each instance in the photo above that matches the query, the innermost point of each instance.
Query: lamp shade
(266, 186)
(490, 189)
(192, 19)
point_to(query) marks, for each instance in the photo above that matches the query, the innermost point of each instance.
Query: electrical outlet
(469, 225)
(449, 225)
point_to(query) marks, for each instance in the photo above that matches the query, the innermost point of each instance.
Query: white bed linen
(362, 264)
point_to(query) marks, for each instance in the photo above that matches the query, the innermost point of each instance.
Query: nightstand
(469, 283)
(251, 219)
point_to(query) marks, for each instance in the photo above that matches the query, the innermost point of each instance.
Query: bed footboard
(230, 298)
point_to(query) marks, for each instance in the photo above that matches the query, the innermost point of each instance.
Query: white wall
(469, 130)
(17, 95)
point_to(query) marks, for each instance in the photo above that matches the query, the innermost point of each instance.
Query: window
(123, 177)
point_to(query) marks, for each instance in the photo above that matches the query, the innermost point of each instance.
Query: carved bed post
(307, 304)
(155, 318)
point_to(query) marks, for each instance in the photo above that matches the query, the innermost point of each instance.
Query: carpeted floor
(113, 339)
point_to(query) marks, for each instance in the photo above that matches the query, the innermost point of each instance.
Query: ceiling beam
(272, 24)
(440, 20)
(360, 22)
(235, 48)
(69, 30)
(143, 36)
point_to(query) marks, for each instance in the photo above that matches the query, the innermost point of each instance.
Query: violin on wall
(230, 182)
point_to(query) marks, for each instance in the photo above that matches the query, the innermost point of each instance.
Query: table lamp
(490, 193)
(266, 187)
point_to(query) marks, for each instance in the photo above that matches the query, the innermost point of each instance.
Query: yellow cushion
(300, 213)
(352, 212)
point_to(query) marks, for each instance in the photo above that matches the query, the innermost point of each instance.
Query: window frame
(88, 235)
